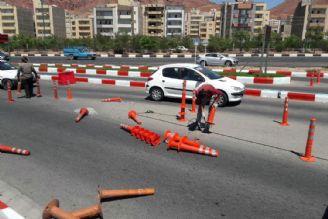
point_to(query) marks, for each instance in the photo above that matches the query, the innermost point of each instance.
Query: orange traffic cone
(182, 113)
(211, 115)
(124, 193)
(113, 99)
(38, 88)
(83, 112)
(52, 210)
(126, 127)
(133, 115)
(19, 87)
(10, 96)
(199, 150)
(69, 93)
(307, 157)
(318, 77)
(285, 114)
(311, 81)
(8, 149)
(55, 89)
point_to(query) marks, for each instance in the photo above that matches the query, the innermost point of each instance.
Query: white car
(7, 72)
(167, 82)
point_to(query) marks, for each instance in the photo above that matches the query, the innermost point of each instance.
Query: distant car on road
(4, 56)
(179, 49)
(79, 52)
(167, 82)
(216, 59)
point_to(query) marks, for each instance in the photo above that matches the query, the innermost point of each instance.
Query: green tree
(240, 38)
(313, 36)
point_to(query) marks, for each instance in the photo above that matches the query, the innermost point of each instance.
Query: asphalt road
(247, 61)
(249, 179)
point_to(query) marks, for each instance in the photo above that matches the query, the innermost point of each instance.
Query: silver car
(216, 59)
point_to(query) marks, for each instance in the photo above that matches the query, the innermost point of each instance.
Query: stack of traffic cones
(113, 99)
(133, 115)
(13, 150)
(143, 134)
(182, 113)
(175, 141)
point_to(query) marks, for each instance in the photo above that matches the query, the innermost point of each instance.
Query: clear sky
(270, 3)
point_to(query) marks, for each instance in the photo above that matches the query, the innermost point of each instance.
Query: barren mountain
(286, 8)
(80, 7)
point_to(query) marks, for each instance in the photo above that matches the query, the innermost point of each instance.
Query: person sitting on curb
(204, 94)
(25, 75)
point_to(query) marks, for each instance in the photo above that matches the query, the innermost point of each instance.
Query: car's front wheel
(228, 63)
(156, 94)
(203, 63)
(223, 100)
(5, 85)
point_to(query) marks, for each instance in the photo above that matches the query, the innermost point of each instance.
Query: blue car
(79, 52)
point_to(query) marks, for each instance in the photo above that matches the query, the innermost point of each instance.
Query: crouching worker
(25, 75)
(204, 94)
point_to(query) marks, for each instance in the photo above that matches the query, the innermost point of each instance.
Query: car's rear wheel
(70, 57)
(228, 63)
(156, 94)
(223, 100)
(203, 63)
(4, 84)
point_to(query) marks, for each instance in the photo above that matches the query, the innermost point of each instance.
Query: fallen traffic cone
(69, 94)
(307, 157)
(176, 137)
(211, 115)
(55, 89)
(285, 114)
(133, 115)
(83, 112)
(143, 134)
(124, 193)
(182, 113)
(113, 99)
(10, 96)
(194, 143)
(193, 104)
(52, 210)
(94, 211)
(201, 149)
(13, 150)
(38, 88)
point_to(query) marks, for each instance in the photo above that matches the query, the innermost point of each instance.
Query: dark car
(4, 56)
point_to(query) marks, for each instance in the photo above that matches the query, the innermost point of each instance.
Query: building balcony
(322, 24)
(155, 12)
(174, 26)
(318, 15)
(124, 25)
(104, 17)
(155, 27)
(125, 16)
(174, 18)
(173, 11)
(155, 20)
(104, 25)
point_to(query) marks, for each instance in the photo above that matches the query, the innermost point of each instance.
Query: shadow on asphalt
(325, 216)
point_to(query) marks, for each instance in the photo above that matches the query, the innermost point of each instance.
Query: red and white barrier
(261, 80)
(296, 74)
(117, 73)
(8, 213)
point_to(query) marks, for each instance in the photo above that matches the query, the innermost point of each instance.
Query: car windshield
(6, 66)
(210, 74)
(84, 50)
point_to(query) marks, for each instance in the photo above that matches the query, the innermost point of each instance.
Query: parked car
(79, 52)
(216, 59)
(4, 56)
(8, 72)
(179, 49)
(167, 82)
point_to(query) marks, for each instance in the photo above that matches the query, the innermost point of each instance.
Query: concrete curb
(177, 55)
(261, 80)
(8, 213)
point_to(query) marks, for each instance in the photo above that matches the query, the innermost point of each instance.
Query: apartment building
(243, 15)
(309, 15)
(174, 21)
(202, 24)
(115, 19)
(82, 27)
(49, 20)
(15, 20)
(153, 20)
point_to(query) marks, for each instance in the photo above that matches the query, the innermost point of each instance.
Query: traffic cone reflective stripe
(133, 115)
(208, 151)
(113, 99)
(126, 127)
(285, 114)
(13, 150)
(83, 112)
(185, 147)
(307, 157)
